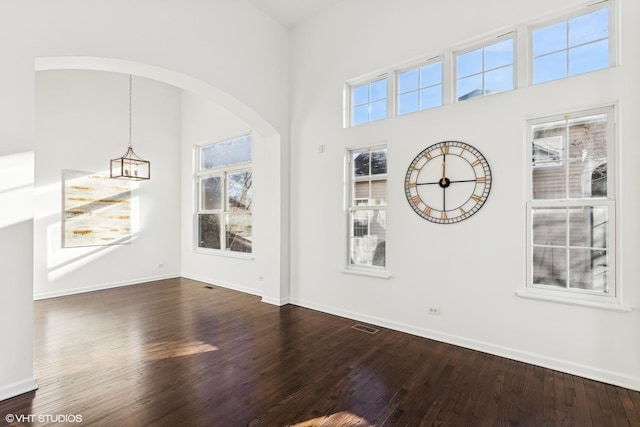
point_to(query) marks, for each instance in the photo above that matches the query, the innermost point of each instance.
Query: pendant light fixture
(129, 165)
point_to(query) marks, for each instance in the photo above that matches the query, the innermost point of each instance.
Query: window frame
(612, 300)
(575, 13)
(350, 86)
(350, 208)
(418, 66)
(224, 212)
(487, 42)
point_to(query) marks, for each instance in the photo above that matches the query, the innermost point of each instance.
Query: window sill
(602, 303)
(380, 274)
(225, 254)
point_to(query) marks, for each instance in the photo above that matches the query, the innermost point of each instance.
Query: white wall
(204, 122)
(471, 270)
(219, 43)
(82, 121)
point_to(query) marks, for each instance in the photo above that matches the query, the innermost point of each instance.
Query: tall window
(225, 196)
(420, 88)
(367, 208)
(485, 70)
(571, 238)
(368, 101)
(572, 46)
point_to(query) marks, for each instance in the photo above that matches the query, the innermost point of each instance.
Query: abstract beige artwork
(97, 210)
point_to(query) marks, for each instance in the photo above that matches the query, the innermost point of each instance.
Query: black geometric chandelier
(129, 165)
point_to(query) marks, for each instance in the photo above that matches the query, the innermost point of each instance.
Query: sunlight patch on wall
(16, 188)
(97, 210)
(63, 261)
(47, 200)
(60, 260)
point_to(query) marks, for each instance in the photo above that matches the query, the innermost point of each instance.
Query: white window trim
(522, 57)
(363, 81)
(413, 66)
(348, 268)
(220, 171)
(512, 35)
(567, 15)
(613, 301)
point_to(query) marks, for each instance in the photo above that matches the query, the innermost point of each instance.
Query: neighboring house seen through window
(571, 211)
(225, 196)
(367, 213)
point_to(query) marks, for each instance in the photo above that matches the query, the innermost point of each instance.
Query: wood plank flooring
(175, 353)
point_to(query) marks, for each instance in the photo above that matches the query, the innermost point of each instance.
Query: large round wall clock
(448, 182)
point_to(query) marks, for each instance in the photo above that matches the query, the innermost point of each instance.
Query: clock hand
(464, 180)
(444, 175)
(444, 199)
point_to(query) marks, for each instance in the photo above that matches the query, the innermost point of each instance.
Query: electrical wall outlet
(434, 310)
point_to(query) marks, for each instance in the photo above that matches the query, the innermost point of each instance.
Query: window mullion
(225, 210)
(567, 249)
(567, 160)
(370, 192)
(567, 64)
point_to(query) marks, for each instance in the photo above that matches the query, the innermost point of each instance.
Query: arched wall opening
(260, 275)
(173, 78)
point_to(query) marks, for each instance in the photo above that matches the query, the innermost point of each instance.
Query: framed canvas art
(96, 210)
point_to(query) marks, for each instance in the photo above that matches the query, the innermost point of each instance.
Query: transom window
(573, 46)
(571, 210)
(369, 101)
(485, 70)
(420, 88)
(367, 213)
(225, 196)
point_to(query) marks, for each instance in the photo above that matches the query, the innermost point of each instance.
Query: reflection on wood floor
(174, 353)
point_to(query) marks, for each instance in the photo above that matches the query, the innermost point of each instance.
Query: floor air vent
(366, 329)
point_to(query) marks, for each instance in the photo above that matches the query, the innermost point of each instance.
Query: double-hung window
(367, 210)
(368, 101)
(571, 208)
(485, 70)
(225, 196)
(572, 46)
(420, 88)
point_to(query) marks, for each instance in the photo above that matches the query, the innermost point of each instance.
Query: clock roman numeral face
(448, 182)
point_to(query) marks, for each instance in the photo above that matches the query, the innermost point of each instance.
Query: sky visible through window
(485, 70)
(369, 102)
(577, 44)
(571, 47)
(420, 88)
(226, 153)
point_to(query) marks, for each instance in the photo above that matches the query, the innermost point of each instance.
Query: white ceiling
(291, 12)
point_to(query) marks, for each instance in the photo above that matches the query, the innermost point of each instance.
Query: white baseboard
(18, 388)
(590, 372)
(102, 286)
(231, 286)
(275, 301)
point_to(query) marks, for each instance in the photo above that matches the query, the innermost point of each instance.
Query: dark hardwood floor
(175, 353)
